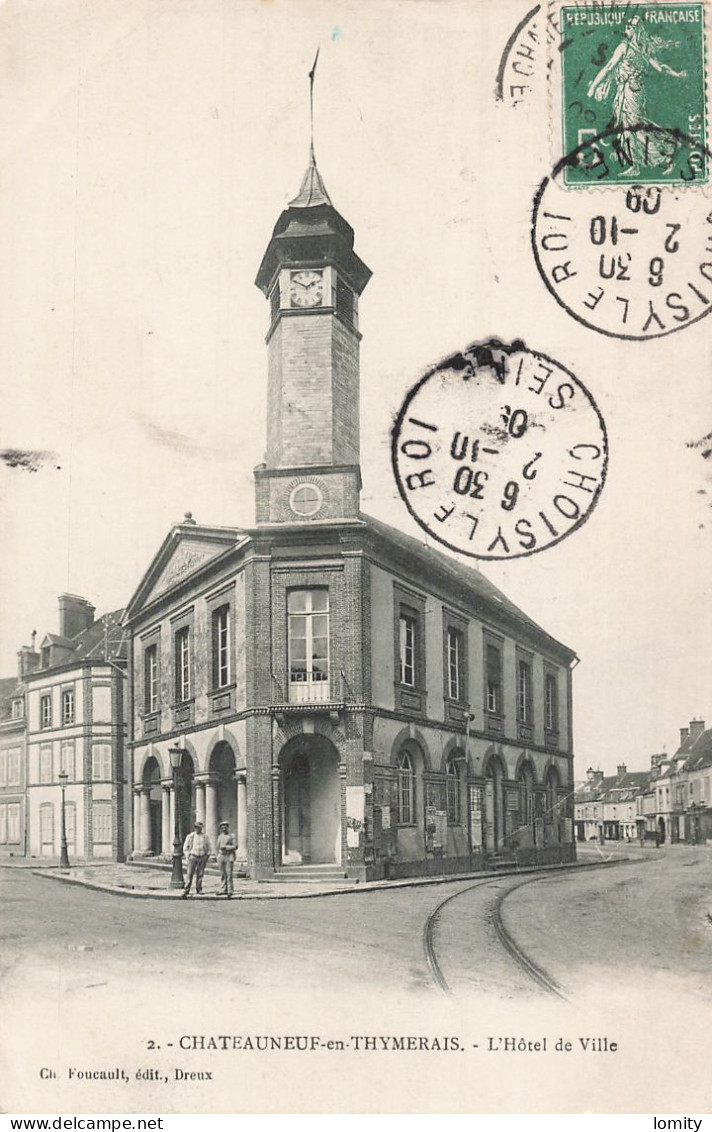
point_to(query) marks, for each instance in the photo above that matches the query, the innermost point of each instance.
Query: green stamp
(633, 79)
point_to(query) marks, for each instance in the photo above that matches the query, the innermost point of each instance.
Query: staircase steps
(311, 874)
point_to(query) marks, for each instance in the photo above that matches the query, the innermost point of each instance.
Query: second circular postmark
(632, 261)
(499, 451)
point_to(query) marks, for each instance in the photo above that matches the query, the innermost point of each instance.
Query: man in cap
(197, 850)
(227, 847)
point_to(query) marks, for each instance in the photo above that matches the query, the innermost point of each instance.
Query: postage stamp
(635, 263)
(634, 73)
(499, 451)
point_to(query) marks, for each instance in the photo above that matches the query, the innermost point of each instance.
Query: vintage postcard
(355, 688)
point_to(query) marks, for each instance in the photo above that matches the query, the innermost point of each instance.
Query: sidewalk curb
(368, 886)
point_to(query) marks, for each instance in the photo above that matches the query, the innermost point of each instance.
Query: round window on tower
(305, 499)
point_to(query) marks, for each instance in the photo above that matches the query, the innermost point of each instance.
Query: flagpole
(311, 103)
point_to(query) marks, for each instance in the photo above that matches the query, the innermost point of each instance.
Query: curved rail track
(509, 944)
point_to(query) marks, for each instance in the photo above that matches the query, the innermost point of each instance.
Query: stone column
(200, 802)
(241, 779)
(145, 819)
(211, 811)
(166, 827)
(136, 819)
(276, 816)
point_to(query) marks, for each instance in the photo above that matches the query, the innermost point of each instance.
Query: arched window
(406, 789)
(453, 792)
(526, 795)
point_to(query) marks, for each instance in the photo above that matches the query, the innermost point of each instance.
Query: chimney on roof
(655, 761)
(684, 732)
(75, 615)
(621, 770)
(697, 726)
(27, 660)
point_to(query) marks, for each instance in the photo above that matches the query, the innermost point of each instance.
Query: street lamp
(63, 856)
(177, 879)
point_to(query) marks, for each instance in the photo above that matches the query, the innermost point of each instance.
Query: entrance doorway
(152, 780)
(310, 789)
(222, 769)
(661, 831)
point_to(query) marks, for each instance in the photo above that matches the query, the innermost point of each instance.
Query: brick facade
(348, 760)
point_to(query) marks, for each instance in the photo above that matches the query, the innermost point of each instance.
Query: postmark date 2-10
(499, 452)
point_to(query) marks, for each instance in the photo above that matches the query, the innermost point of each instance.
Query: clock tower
(313, 280)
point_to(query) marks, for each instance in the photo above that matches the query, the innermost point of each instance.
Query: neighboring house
(74, 701)
(13, 805)
(684, 788)
(588, 807)
(343, 695)
(609, 808)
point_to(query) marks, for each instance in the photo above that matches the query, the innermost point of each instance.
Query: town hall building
(346, 697)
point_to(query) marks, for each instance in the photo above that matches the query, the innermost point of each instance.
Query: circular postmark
(499, 451)
(634, 261)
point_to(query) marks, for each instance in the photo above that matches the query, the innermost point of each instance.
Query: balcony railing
(309, 692)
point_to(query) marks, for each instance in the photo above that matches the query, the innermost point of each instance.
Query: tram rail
(516, 953)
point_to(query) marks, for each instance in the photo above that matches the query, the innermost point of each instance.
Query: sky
(147, 151)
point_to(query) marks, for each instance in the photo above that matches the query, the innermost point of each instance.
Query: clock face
(306, 288)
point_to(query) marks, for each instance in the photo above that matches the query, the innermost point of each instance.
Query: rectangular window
(182, 661)
(221, 647)
(455, 663)
(3, 824)
(45, 711)
(47, 823)
(46, 774)
(66, 759)
(3, 768)
(13, 823)
(524, 690)
(101, 762)
(308, 645)
(150, 661)
(408, 641)
(274, 302)
(14, 759)
(551, 702)
(101, 822)
(493, 662)
(18, 709)
(345, 303)
(67, 706)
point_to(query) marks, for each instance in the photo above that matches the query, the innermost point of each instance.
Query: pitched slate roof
(9, 690)
(701, 754)
(104, 640)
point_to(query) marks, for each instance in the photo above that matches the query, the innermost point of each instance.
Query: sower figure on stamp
(227, 847)
(197, 850)
(629, 71)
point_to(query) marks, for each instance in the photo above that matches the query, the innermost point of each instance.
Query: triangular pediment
(186, 550)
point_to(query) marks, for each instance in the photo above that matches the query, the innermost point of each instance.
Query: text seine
(540, 1045)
